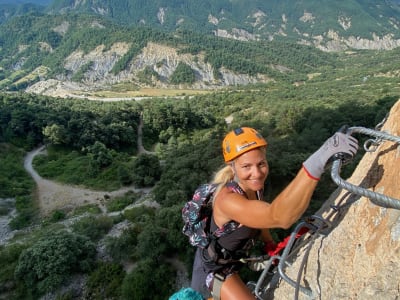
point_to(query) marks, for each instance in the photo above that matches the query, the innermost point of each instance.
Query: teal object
(186, 294)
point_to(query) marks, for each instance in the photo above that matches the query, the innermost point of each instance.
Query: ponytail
(222, 177)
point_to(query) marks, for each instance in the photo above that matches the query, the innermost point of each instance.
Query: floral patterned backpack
(197, 213)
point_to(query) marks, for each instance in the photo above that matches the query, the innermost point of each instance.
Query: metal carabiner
(371, 145)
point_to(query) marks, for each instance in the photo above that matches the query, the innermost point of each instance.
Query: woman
(236, 200)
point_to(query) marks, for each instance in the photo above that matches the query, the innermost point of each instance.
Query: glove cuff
(315, 164)
(309, 174)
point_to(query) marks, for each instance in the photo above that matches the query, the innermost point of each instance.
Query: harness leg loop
(217, 284)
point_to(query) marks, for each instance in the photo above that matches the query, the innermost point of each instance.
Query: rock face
(161, 59)
(358, 258)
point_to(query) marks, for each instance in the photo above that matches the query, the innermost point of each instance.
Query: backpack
(197, 212)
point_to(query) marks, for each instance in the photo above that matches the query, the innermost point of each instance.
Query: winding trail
(53, 195)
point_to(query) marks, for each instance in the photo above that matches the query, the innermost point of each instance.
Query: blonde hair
(222, 177)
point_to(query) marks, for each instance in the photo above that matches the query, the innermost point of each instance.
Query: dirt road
(53, 195)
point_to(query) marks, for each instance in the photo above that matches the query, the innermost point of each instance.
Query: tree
(149, 280)
(56, 134)
(105, 282)
(146, 170)
(99, 155)
(93, 227)
(53, 259)
(183, 74)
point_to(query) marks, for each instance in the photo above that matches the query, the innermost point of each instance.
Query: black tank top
(237, 241)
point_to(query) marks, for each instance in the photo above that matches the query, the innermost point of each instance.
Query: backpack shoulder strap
(231, 225)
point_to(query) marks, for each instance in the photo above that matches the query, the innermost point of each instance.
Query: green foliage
(93, 209)
(99, 157)
(170, 218)
(14, 181)
(9, 259)
(105, 282)
(186, 166)
(123, 248)
(52, 259)
(149, 280)
(93, 227)
(314, 96)
(365, 17)
(146, 170)
(55, 134)
(119, 203)
(87, 32)
(152, 242)
(27, 212)
(146, 76)
(69, 123)
(75, 168)
(57, 215)
(139, 214)
(183, 74)
(80, 75)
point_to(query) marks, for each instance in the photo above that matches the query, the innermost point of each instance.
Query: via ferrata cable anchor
(377, 198)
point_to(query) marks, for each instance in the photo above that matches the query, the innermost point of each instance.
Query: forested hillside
(143, 159)
(44, 52)
(94, 144)
(260, 19)
(87, 46)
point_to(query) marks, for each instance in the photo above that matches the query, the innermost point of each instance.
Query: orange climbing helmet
(241, 140)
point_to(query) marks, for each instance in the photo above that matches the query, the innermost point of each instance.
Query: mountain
(90, 52)
(88, 45)
(10, 9)
(330, 25)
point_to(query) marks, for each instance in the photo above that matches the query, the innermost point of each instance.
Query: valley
(112, 113)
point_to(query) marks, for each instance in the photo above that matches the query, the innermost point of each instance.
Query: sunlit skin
(251, 170)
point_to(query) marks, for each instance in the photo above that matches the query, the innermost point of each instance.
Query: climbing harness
(217, 285)
(316, 225)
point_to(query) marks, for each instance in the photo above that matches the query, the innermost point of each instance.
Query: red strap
(273, 249)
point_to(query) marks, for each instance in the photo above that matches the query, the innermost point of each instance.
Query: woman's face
(251, 169)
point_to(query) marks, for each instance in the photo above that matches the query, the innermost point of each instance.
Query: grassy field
(147, 92)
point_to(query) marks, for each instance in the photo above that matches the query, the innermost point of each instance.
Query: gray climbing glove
(338, 143)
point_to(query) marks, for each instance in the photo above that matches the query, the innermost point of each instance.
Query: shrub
(93, 227)
(146, 170)
(105, 282)
(45, 265)
(183, 74)
(139, 214)
(137, 285)
(123, 247)
(119, 203)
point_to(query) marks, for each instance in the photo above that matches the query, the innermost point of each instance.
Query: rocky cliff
(161, 59)
(358, 257)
